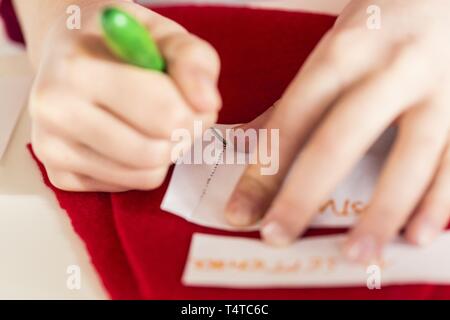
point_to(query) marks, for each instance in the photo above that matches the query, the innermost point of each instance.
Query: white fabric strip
(219, 261)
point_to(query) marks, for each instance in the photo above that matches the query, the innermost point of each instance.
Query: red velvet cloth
(140, 251)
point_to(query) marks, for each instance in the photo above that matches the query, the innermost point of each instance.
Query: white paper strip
(219, 261)
(199, 192)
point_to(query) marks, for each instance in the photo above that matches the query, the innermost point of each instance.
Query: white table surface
(37, 242)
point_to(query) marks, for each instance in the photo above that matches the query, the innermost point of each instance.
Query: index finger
(192, 63)
(311, 93)
(353, 125)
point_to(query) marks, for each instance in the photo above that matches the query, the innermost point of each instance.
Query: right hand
(101, 125)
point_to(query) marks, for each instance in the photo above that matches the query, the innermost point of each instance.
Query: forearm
(37, 17)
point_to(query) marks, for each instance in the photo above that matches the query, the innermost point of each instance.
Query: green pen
(130, 41)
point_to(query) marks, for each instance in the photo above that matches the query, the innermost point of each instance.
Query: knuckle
(211, 53)
(343, 40)
(47, 110)
(339, 55)
(51, 153)
(42, 150)
(412, 54)
(58, 180)
(199, 52)
(178, 117)
(152, 179)
(152, 154)
(194, 49)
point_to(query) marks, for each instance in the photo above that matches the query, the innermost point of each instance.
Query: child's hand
(102, 125)
(357, 83)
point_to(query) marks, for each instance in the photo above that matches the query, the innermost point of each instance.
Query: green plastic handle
(130, 41)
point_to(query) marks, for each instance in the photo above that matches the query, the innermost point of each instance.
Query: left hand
(357, 83)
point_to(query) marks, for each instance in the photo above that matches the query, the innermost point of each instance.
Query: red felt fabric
(140, 251)
(8, 15)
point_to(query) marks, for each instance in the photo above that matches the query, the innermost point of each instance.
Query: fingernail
(238, 212)
(362, 249)
(207, 93)
(275, 234)
(426, 234)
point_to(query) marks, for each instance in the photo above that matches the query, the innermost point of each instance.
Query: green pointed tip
(129, 40)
